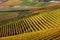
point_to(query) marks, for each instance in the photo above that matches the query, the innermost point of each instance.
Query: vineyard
(35, 24)
(41, 22)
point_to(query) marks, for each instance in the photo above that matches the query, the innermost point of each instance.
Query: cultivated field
(38, 24)
(32, 25)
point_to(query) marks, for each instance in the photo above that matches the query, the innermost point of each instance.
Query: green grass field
(5, 13)
(28, 3)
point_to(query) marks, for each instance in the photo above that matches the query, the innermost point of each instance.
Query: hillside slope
(10, 3)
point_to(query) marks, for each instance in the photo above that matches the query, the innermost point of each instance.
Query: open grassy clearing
(5, 16)
(5, 13)
(29, 3)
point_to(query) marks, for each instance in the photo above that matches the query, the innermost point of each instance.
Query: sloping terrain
(10, 3)
(34, 24)
(50, 34)
(7, 15)
(44, 25)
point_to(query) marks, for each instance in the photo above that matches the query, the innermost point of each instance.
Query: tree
(47, 0)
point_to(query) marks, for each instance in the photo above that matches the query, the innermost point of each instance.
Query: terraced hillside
(41, 26)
